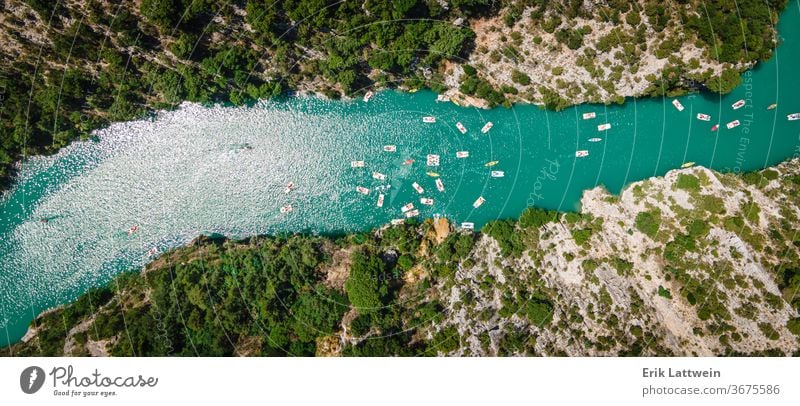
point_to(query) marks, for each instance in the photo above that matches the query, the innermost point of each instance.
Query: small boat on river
(703, 117)
(739, 104)
(439, 185)
(461, 128)
(479, 202)
(677, 104)
(488, 126)
(429, 119)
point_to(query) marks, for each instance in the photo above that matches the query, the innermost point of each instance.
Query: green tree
(367, 287)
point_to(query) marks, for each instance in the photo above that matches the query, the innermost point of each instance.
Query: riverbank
(627, 275)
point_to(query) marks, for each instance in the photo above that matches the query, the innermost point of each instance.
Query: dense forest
(69, 67)
(548, 283)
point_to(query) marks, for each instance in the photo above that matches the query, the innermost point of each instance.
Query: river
(222, 170)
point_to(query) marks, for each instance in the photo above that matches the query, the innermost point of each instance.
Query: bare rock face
(441, 226)
(685, 264)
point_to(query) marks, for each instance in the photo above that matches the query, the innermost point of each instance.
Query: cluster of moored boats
(675, 102)
(431, 161)
(600, 128)
(735, 106)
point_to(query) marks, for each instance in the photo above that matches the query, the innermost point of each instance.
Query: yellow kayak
(433, 174)
(492, 163)
(687, 165)
(772, 106)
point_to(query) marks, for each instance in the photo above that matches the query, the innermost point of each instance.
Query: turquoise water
(202, 170)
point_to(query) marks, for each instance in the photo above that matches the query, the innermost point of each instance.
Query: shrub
(648, 222)
(520, 77)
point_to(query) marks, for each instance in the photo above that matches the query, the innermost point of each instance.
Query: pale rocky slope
(605, 291)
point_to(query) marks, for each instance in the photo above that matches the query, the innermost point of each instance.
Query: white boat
(462, 154)
(357, 164)
(429, 119)
(739, 104)
(378, 176)
(289, 187)
(412, 213)
(603, 127)
(362, 190)
(368, 96)
(134, 228)
(733, 124)
(439, 185)
(687, 165)
(380, 200)
(498, 174)
(479, 202)
(677, 104)
(418, 188)
(432, 160)
(793, 117)
(286, 209)
(488, 126)
(397, 222)
(582, 153)
(461, 128)
(389, 148)
(442, 98)
(468, 226)
(426, 201)
(589, 115)
(703, 117)
(595, 139)
(407, 207)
